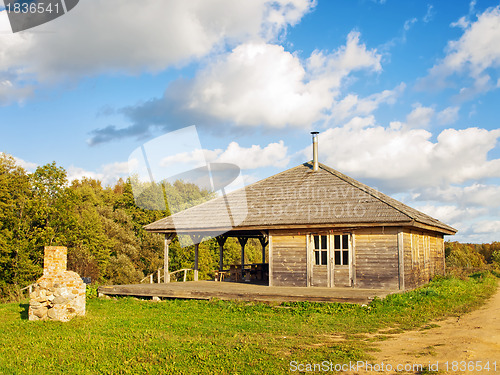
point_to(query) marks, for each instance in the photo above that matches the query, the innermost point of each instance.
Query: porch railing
(160, 275)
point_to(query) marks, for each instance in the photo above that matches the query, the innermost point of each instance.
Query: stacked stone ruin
(59, 294)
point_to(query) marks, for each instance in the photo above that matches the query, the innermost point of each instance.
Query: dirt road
(473, 341)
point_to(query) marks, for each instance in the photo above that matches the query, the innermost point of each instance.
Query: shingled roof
(299, 198)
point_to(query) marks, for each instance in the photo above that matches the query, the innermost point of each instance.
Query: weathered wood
(271, 260)
(289, 260)
(354, 262)
(243, 291)
(263, 242)
(377, 258)
(196, 247)
(221, 240)
(401, 263)
(166, 275)
(243, 241)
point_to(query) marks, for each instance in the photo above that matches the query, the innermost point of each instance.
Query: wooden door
(318, 259)
(340, 260)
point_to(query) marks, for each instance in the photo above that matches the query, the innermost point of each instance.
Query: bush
(495, 257)
(463, 255)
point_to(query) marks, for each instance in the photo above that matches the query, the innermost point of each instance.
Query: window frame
(341, 250)
(320, 253)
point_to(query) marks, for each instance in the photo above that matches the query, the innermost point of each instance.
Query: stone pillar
(59, 294)
(55, 260)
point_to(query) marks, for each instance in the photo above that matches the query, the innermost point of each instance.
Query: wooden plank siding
(423, 255)
(289, 259)
(383, 258)
(377, 260)
(341, 276)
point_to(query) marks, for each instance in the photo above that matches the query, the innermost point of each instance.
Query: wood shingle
(299, 197)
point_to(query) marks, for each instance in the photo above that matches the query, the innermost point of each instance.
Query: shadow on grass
(24, 311)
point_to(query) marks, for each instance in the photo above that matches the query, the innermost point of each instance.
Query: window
(341, 249)
(320, 250)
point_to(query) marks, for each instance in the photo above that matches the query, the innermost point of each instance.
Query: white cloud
(477, 50)
(360, 122)
(420, 117)
(108, 174)
(196, 157)
(29, 166)
(274, 154)
(10, 93)
(448, 115)
(408, 23)
(450, 213)
(351, 105)
(487, 227)
(264, 84)
(103, 36)
(257, 84)
(351, 57)
(429, 15)
(475, 194)
(401, 158)
(463, 23)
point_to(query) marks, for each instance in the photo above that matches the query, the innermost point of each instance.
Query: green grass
(129, 336)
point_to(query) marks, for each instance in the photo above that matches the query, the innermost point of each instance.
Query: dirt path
(471, 338)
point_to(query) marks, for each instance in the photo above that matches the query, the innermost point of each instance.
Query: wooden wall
(376, 258)
(424, 256)
(288, 260)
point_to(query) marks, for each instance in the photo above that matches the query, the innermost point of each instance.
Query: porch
(206, 290)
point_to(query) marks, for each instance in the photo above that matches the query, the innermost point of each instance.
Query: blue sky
(404, 93)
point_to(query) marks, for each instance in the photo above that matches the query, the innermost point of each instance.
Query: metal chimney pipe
(315, 150)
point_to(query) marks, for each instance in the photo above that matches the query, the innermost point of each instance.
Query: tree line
(102, 227)
(469, 255)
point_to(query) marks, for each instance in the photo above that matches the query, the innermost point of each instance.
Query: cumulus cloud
(401, 158)
(351, 105)
(451, 213)
(487, 227)
(130, 37)
(274, 154)
(420, 117)
(448, 115)
(475, 194)
(477, 50)
(256, 84)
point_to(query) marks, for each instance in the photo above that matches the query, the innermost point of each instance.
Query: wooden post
(401, 256)
(151, 279)
(166, 273)
(196, 261)
(196, 238)
(159, 275)
(270, 259)
(221, 240)
(263, 241)
(243, 242)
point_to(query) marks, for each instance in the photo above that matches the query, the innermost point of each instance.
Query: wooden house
(322, 228)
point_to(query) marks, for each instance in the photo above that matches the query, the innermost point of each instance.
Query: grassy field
(129, 336)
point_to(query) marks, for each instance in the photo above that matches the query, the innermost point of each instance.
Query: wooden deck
(244, 291)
